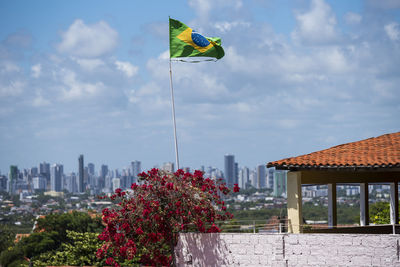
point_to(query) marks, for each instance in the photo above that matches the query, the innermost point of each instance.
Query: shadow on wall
(203, 250)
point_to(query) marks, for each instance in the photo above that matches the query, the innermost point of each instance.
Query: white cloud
(75, 89)
(36, 70)
(393, 31)
(89, 64)
(84, 40)
(8, 67)
(203, 8)
(317, 25)
(353, 18)
(40, 101)
(12, 88)
(127, 68)
(226, 26)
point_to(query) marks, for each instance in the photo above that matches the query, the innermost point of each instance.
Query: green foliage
(38, 243)
(379, 213)
(80, 250)
(75, 221)
(6, 237)
(11, 257)
(75, 232)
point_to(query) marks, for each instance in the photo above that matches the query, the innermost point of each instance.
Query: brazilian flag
(184, 42)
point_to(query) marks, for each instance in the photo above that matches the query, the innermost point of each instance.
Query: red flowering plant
(143, 226)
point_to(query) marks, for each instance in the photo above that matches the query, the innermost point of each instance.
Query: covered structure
(373, 160)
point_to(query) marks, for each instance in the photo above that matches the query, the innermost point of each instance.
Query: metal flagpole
(173, 114)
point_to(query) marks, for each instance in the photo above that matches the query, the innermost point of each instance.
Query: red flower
(110, 261)
(236, 188)
(139, 231)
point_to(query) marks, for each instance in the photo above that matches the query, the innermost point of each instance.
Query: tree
(52, 235)
(143, 227)
(80, 250)
(380, 213)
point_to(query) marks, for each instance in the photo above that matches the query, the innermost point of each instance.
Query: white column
(364, 207)
(332, 210)
(394, 203)
(294, 202)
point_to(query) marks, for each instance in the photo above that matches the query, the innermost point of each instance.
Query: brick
(258, 249)
(362, 260)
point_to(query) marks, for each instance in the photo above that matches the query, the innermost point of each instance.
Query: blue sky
(91, 77)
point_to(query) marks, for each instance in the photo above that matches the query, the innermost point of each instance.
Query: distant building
(71, 183)
(56, 176)
(261, 177)
(44, 170)
(270, 178)
(39, 183)
(12, 179)
(253, 179)
(135, 169)
(116, 183)
(91, 169)
(81, 174)
(3, 183)
(168, 166)
(229, 170)
(279, 183)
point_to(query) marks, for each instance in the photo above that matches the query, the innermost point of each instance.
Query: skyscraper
(279, 183)
(135, 169)
(12, 179)
(91, 168)
(230, 170)
(44, 170)
(261, 177)
(81, 174)
(56, 176)
(168, 166)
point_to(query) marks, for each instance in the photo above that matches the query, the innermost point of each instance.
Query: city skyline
(92, 78)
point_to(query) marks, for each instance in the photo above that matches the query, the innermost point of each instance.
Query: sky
(92, 78)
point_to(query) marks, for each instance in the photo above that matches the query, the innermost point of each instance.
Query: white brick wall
(287, 250)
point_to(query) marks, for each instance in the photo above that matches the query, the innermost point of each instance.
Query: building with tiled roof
(373, 160)
(380, 152)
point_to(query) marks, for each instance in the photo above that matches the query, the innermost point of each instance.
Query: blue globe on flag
(199, 39)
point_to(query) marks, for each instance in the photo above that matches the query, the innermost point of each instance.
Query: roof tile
(375, 152)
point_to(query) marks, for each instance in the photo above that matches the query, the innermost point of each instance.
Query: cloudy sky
(92, 78)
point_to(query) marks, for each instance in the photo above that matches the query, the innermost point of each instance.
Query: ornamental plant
(143, 226)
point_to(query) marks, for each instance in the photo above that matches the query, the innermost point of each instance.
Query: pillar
(294, 202)
(394, 203)
(364, 205)
(332, 210)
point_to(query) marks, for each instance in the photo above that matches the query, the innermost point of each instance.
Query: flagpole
(173, 114)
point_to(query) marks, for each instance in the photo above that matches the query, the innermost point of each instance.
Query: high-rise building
(261, 177)
(56, 176)
(244, 178)
(135, 170)
(279, 183)
(70, 183)
(229, 170)
(91, 169)
(168, 166)
(39, 182)
(12, 179)
(253, 179)
(3, 183)
(44, 170)
(270, 178)
(81, 175)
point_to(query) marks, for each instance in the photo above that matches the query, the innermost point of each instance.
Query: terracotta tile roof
(376, 152)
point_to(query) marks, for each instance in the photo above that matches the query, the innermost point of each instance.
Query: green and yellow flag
(184, 42)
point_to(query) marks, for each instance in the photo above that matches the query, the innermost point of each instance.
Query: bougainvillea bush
(144, 225)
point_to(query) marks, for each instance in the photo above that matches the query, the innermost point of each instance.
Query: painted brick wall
(287, 250)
